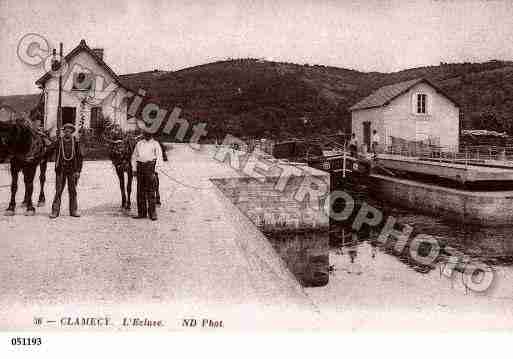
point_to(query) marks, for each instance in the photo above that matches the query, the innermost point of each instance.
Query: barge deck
(456, 171)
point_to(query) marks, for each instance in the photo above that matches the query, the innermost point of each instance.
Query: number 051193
(26, 341)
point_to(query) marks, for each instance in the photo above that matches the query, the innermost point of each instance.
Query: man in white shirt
(146, 159)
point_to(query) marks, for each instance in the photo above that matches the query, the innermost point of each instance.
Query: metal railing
(497, 155)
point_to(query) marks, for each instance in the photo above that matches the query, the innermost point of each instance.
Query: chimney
(98, 52)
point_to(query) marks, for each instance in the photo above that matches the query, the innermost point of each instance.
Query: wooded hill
(256, 98)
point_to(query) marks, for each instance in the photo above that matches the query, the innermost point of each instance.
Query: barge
(339, 163)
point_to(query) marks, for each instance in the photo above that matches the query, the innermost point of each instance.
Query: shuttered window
(421, 103)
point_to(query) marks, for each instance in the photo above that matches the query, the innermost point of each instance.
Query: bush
(92, 147)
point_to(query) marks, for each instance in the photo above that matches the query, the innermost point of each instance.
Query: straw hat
(70, 126)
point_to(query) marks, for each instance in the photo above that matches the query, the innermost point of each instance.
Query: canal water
(491, 245)
(354, 252)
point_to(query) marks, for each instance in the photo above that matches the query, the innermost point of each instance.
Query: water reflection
(490, 245)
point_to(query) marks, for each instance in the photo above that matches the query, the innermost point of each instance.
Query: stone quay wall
(298, 233)
(484, 208)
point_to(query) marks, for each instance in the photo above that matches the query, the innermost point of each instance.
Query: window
(421, 103)
(96, 117)
(82, 81)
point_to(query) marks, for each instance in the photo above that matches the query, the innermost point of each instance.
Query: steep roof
(20, 103)
(82, 46)
(385, 94)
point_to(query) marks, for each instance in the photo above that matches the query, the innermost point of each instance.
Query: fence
(466, 154)
(419, 149)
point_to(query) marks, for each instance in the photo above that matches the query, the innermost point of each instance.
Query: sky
(142, 35)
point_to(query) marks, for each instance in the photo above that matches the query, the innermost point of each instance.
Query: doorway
(96, 121)
(367, 135)
(68, 115)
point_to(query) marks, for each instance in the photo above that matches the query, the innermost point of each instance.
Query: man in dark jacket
(68, 165)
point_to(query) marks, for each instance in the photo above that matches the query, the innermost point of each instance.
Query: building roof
(82, 46)
(20, 103)
(385, 94)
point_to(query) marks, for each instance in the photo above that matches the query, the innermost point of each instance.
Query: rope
(180, 182)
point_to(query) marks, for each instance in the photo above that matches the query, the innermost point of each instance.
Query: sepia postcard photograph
(255, 167)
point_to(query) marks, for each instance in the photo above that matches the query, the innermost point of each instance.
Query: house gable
(86, 102)
(83, 62)
(384, 95)
(406, 103)
(94, 62)
(439, 124)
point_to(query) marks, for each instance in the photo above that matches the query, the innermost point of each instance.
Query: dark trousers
(375, 147)
(353, 151)
(61, 178)
(146, 188)
(157, 186)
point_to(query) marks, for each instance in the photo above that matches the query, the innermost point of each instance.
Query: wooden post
(59, 103)
(344, 164)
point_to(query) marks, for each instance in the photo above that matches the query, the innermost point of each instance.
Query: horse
(121, 147)
(27, 149)
(120, 154)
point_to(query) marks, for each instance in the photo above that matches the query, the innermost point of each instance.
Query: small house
(414, 111)
(91, 91)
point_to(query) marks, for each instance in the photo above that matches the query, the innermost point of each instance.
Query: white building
(90, 88)
(410, 111)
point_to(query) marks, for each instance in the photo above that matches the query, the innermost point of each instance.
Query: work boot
(30, 212)
(75, 214)
(54, 215)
